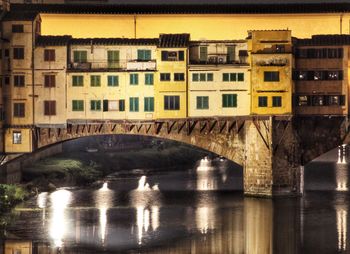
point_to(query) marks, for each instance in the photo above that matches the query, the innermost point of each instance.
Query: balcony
(138, 65)
(219, 60)
(121, 65)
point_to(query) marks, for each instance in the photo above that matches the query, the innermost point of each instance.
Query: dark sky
(222, 1)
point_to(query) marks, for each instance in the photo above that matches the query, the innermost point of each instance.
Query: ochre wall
(214, 26)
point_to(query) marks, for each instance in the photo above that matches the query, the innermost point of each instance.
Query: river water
(185, 210)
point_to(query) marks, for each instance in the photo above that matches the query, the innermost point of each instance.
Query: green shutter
(147, 55)
(234, 100)
(164, 55)
(149, 78)
(113, 58)
(202, 77)
(230, 54)
(240, 77)
(203, 54)
(225, 77)
(181, 55)
(210, 77)
(105, 105)
(121, 105)
(233, 77)
(195, 77)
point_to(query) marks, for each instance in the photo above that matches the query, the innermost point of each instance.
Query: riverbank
(81, 168)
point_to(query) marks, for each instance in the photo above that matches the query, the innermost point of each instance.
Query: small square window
(17, 139)
(17, 28)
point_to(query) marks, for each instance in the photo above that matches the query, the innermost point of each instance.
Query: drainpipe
(33, 80)
(135, 26)
(341, 23)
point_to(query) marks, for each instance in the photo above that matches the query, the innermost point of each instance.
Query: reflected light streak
(104, 200)
(59, 202)
(205, 219)
(42, 203)
(341, 175)
(342, 227)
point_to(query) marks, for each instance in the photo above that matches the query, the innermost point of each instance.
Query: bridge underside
(270, 149)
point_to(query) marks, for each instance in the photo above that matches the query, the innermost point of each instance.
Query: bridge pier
(272, 158)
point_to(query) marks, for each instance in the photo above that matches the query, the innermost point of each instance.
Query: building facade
(53, 81)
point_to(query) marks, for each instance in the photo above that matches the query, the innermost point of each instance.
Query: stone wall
(11, 171)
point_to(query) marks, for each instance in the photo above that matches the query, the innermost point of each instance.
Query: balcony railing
(121, 65)
(138, 65)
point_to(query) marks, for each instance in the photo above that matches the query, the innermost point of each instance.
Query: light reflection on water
(127, 214)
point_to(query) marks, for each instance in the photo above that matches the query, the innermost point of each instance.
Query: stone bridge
(270, 149)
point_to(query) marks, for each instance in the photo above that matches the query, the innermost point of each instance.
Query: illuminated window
(17, 137)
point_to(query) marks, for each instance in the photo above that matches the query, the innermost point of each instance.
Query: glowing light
(155, 217)
(42, 200)
(204, 165)
(144, 186)
(59, 202)
(104, 187)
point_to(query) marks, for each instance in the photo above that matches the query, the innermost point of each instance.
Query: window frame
(49, 108)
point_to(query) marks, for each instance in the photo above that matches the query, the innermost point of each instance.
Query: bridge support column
(272, 159)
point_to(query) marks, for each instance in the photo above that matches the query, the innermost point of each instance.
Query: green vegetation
(80, 167)
(11, 195)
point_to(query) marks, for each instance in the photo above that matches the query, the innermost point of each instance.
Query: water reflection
(59, 222)
(341, 177)
(146, 219)
(103, 201)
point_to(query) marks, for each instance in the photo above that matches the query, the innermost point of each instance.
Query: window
(78, 80)
(229, 77)
(210, 77)
(179, 76)
(318, 100)
(318, 75)
(49, 55)
(240, 77)
(134, 79)
(333, 100)
(49, 80)
(271, 76)
(173, 55)
(149, 104)
(171, 102)
(80, 56)
(334, 75)
(276, 101)
(95, 80)
(78, 105)
(113, 105)
(202, 77)
(149, 79)
(7, 80)
(303, 100)
(112, 80)
(17, 137)
(6, 53)
(49, 108)
(202, 102)
(17, 28)
(18, 109)
(280, 48)
(230, 54)
(18, 80)
(229, 100)
(95, 105)
(262, 101)
(113, 58)
(165, 77)
(134, 104)
(143, 54)
(18, 53)
(203, 53)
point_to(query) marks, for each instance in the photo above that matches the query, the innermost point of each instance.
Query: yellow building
(219, 79)
(271, 72)
(111, 79)
(18, 33)
(171, 84)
